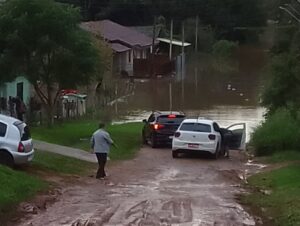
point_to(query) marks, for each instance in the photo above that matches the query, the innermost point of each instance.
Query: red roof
(116, 33)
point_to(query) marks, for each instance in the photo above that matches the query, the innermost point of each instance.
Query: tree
(283, 87)
(42, 40)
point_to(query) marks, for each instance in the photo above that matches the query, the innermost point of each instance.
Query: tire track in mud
(141, 192)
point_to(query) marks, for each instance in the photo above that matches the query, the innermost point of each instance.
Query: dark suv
(160, 127)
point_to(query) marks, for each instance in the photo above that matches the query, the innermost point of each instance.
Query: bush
(224, 49)
(279, 132)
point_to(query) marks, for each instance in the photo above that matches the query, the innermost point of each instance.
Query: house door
(20, 89)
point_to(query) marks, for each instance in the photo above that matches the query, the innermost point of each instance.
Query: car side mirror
(144, 121)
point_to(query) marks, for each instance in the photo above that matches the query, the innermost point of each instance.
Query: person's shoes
(100, 178)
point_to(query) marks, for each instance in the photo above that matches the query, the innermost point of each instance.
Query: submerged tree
(42, 40)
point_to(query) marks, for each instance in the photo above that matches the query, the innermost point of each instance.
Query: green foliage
(283, 204)
(280, 132)
(16, 187)
(77, 134)
(283, 86)
(224, 49)
(42, 40)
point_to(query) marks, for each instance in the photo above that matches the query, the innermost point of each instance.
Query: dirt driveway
(153, 189)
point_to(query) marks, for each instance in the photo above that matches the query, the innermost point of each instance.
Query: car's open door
(238, 136)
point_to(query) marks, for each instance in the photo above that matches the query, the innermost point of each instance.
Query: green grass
(283, 156)
(77, 134)
(16, 187)
(60, 164)
(283, 204)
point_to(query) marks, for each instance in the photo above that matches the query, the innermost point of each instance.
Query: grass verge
(281, 205)
(16, 187)
(47, 161)
(23, 184)
(77, 134)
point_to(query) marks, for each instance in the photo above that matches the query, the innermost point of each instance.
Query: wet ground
(153, 189)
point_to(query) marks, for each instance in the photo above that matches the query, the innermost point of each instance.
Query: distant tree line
(227, 17)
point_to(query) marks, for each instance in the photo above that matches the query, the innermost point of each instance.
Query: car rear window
(196, 127)
(24, 131)
(3, 129)
(176, 119)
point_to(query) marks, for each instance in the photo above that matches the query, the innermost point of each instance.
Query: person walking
(100, 144)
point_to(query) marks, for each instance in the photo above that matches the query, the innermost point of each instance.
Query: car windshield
(196, 127)
(24, 131)
(176, 119)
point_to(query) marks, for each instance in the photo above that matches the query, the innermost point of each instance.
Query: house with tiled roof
(127, 43)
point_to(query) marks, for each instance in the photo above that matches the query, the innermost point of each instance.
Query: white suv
(205, 135)
(15, 142)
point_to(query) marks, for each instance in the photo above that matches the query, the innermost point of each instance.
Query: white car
(203, 135)
(15, 142)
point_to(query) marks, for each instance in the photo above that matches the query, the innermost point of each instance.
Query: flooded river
(226, 97)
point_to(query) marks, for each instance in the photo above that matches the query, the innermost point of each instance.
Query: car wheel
(153, 141)
(174, 154)
(217, 152)
(6, 159)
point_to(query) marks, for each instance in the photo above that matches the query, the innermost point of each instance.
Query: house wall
(12, 89)
(123, 61)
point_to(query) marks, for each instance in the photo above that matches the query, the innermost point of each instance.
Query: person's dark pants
(102, 157)
(20, 116)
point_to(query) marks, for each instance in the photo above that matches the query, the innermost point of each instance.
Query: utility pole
(152, 49)
(196, 55)
(170, 57)
(196, 34)
(182, 64)
(171, 40)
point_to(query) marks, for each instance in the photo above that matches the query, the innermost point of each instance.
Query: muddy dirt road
(153, 189)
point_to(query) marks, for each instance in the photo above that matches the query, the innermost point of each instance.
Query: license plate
(170, 137)
(193, 145)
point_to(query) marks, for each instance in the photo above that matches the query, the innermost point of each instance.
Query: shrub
(279, 132)
(224, 49)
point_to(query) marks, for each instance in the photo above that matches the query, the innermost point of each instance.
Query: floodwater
(227, 97)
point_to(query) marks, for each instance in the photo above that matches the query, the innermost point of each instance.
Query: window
(196, 127)
(3, 128)
(151, 118)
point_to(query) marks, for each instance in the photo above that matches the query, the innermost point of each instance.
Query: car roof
(8, 119)
(198, 120)
(168, 112)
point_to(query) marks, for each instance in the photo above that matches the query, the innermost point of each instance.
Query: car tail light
(212, 136)
(171, 116)
(158, 126)
(21, 147)
(177, 134)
